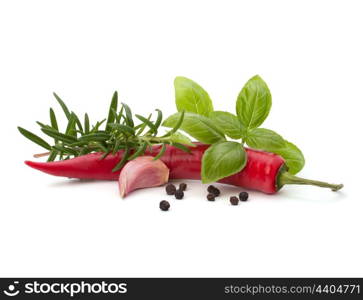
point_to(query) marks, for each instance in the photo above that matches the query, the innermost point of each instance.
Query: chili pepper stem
(287, 178)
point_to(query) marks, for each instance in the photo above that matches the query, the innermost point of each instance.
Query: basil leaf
(221, 160)
(191, 97)
(253, 103)
(265, 139)
(293, 156)
(229, 123)
(180, 138)
(197, 126)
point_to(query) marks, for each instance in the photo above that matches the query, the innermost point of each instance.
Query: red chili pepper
(264, 171)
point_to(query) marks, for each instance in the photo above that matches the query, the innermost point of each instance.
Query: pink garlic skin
(142, 172)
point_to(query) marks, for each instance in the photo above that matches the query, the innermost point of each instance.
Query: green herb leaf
(197, 126)
(191, 97)
(101, 147)
(68, 139)
(54, 123)
(112, 115)
(140, 151)
(78, 122)
(78, 143)
(123, 128)
(65, 150)
(63, 105)
(221, 160)
(71, 127)
(119, 115)
(293, 157)
(229, 123)
(86, 123)
(181, 147)
(147, 122)
(159, 118)
(116, 146)
(34, 138)
(180, 138)
(140, 128)
(161, 152)
(176, 126)
(43, 125)
(85, 151)
(104, 155)
(128, 119)
(97, 136)
(52, 155)
(121, 163)
(253, 103)
(53, 119)
(264, 139)
(97, 126)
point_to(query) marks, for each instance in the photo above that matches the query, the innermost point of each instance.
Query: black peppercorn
(243, 196)
(182, 186)
(164, 205)
(170, 189)
(213, 190)
(179, 194)
(211, 197)
(234, 200)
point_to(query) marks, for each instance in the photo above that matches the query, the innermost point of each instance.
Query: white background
(309, 53)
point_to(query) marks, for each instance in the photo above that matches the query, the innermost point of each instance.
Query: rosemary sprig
(118, 131)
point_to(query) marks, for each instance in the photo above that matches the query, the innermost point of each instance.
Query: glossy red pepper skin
(260, 173)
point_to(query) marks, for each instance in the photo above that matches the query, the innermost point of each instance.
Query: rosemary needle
(117, 131)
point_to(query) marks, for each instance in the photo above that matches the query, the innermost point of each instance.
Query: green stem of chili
(287, 178)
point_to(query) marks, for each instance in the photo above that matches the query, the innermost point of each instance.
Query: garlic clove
(142, 172)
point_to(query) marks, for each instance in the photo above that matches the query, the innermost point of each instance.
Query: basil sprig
(225, 158)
